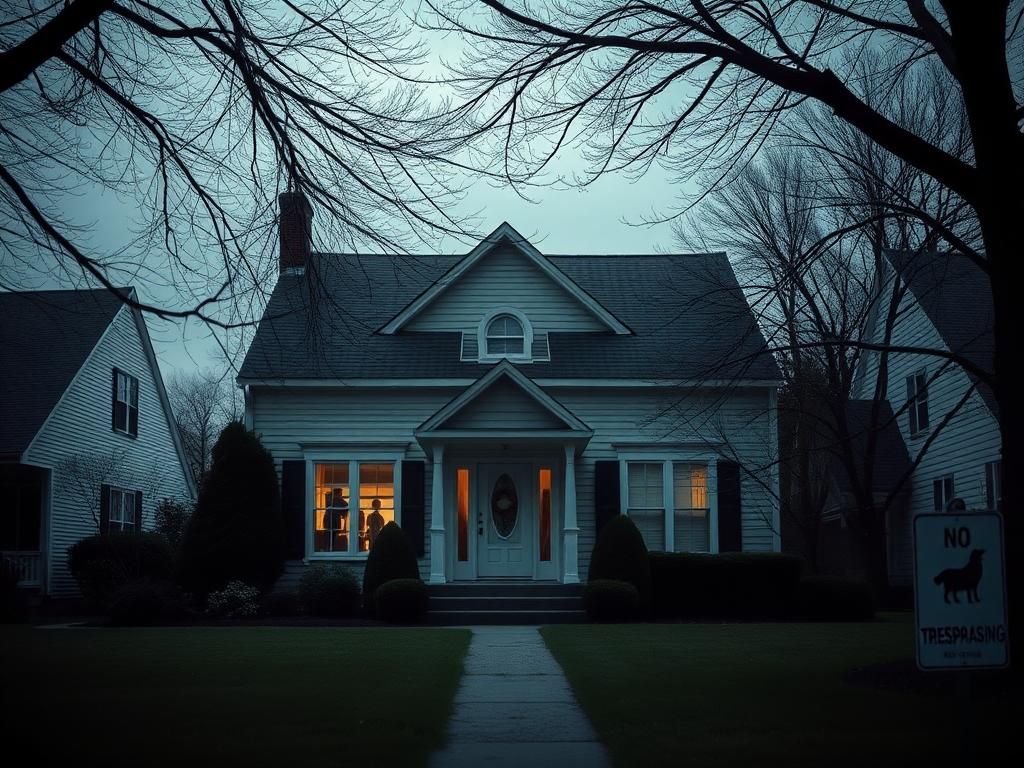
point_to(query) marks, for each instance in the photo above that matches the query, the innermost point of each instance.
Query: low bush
(104, 563)
(237, 600)
(280, 604)
(739, 585)
(171, 520)
(826, 598)
(609, 600)
(145, 602)
(328, 590)
(402, 601)
(392, 557)
(621, 555)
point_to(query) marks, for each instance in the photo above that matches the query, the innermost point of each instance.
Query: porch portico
(503, 494)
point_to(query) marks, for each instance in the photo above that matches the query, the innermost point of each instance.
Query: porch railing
(29, 566)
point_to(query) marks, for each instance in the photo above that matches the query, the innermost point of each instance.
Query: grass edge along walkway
(228, 696)
(763, 694)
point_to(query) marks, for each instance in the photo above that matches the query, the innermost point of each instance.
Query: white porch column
(437, 518)
(571, 531)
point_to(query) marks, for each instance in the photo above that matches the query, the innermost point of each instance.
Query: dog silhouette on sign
(963, 579)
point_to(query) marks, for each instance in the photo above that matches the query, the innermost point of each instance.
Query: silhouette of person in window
(374, 522)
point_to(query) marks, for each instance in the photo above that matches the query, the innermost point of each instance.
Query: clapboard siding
(286, 418)
(81, 424)
(963, 447)
(505, 278)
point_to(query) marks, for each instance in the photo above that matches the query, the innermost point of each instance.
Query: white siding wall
(505, 278)
(81, 423)
(284, 418)
(962, 448)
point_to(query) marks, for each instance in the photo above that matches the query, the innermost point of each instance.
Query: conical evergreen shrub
(392, 557)
(237, 531)
(620, 554)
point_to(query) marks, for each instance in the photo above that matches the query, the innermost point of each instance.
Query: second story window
(505, 336)
(125, 403)
(917, 401)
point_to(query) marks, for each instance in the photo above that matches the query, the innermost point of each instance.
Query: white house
(502, 404)
(87, 439)
(941, 408)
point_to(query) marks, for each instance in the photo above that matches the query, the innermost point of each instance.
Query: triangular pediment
(536, 276)
(503, 401)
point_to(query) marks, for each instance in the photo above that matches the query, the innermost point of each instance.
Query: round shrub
(621, 555)
(237, 531)
(237, 600)
(328, 590)
(104, 563)
(392, 557)
(280, 604)
(402, 601)
(611, 601)
(145, 602)
(825, 598)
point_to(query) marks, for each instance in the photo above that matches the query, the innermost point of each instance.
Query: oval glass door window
(504, 506)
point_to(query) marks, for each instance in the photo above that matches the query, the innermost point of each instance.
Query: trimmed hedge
(145, 602)
(825, 598)
(621, 555)
(392, 557)
(613, 601)
(104, 563)
(328, 590)
(747, 585)
(402, 601)
(280, 604)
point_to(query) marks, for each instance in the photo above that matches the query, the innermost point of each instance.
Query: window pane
(135, 393)
(691, 531)
(331, 491)
(462, 510)
(514, 346)
(937, 495)
(129, 507)
(376, 501)
(651, 523)
(122, 387)
(645, 489)
(496, 346)
(545, 515)
(690, 485)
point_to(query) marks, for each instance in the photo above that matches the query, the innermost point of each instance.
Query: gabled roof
(689, 318)
(45, 337)
(504, 371)
(504, 233)
(956, 296)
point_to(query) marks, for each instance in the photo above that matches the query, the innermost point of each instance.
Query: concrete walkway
(514, 707)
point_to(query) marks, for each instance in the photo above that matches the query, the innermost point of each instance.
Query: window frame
(668, 461)
(939, 484)
(483, 353)
(993, 484)
(919, 419)
(354, 459)
(130, 405)
(123, 493)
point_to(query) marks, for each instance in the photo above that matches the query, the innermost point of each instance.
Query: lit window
(334, 529)
(690, 486)
(993, 484)
(942, 492)
(505, 336)
(917, 401)
(674, 519)
(126, 403)
(462, 507)
(544, 481)
(122, 516)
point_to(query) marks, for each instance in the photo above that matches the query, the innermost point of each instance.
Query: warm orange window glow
(376, 501)
(462, 507)
(545, 515)
(331, 491)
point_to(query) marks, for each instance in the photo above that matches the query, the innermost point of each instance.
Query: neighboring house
(501, 405)
(87, 439)
(938, 407)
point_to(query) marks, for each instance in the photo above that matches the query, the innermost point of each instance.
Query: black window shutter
(606, 492)
(414, 491)
(113, 400)
(730, 529)
(105, 507)
(293, 507)
(138, 511)
(133, 408)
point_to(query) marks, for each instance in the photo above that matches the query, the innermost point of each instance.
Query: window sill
(510, 358)
(350, 556)
(920, 433)
(117, 431)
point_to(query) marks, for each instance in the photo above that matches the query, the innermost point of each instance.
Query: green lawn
(228, 696)
(766, 694)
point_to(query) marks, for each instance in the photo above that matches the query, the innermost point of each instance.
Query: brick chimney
(296, 224)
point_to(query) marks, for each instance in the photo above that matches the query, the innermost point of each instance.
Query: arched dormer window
(506, 334)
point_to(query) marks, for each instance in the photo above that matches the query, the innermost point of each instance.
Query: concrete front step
(505, 589)
(470, 618)
(505, 602)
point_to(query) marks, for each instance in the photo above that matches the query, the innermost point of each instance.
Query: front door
(505, 516)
